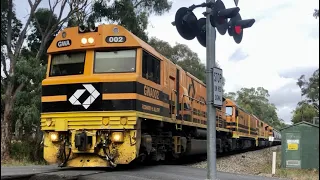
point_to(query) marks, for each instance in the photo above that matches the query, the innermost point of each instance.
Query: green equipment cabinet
(300, 146)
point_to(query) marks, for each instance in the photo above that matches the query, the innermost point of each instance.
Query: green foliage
(21, 151)
(28, 102)
(256, 102)
(182, 55)
(16, 25)
(310, 88)
(308, 108)
(40, 19)
(133, 15)
(230, 95)
(304, 112)
(316, 13)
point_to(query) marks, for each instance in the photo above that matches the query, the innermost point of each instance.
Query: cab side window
(150, 67)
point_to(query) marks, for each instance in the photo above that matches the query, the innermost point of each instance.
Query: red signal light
(238, 29)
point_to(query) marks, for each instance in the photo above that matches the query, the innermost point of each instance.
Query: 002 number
(116, 39)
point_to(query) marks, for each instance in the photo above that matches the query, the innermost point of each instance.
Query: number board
(116, 39)
(217, 87)
(64, 43)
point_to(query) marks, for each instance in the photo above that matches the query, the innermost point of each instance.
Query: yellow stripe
(133, 96)
(119, 96)
(54, 98)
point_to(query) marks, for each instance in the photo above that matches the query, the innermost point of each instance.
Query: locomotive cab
(92, 94)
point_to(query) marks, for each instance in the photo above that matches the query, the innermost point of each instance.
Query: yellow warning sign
(293, 146)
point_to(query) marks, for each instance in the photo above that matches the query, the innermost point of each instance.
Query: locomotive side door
(174, 94)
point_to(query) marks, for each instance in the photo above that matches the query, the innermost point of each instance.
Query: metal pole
(211, 110)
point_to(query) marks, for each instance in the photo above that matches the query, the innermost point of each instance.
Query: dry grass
(294, 174)
(259, 163)
(13, 162)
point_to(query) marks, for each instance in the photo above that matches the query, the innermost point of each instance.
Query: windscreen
(115, 61)
(67, 64)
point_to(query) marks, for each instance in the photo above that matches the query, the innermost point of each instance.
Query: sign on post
(217, 87)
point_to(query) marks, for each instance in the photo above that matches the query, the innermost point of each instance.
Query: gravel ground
(245, 163)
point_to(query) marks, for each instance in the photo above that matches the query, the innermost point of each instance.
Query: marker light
(84, 40)
(115, 30)
(91, 40)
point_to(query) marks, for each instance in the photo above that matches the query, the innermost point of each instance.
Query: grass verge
(294, 174)
(14, 162)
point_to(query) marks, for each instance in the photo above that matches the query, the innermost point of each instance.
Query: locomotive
(109, 98)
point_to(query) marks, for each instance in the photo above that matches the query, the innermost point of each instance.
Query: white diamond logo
(76, 95)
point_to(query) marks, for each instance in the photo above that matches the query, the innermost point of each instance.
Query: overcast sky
(274, 52)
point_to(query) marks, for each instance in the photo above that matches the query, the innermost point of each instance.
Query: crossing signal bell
(189, 27)
(186, 23)
(201, 36)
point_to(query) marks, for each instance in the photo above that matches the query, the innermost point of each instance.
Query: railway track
(135, 166)
(197, 158)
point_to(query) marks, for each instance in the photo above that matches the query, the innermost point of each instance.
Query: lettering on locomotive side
(150, 108)
(150, 92)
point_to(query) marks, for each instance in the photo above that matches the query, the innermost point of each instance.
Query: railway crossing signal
(189, 27)
(236, 26)
(201, 36)
(185, 21)
(219, 16)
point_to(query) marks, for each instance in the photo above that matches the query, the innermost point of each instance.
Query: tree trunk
(38, 138)
(6, 130)
(17, 130)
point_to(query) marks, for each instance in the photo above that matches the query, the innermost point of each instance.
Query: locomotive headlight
(54, 136)
(84, 40)
(117, 137)
(90, 40)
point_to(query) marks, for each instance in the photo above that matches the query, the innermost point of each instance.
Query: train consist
(109, 98)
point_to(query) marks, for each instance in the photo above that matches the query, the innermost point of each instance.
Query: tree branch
(70, 14)
(36, 20)
(24, 31)
(19, 88)
(4, 63)
(61, 10)
(136, 5)
(4, 39)
(60, 21)
(9, 36)
(9, 27)
(38, 24)
(51, 14)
